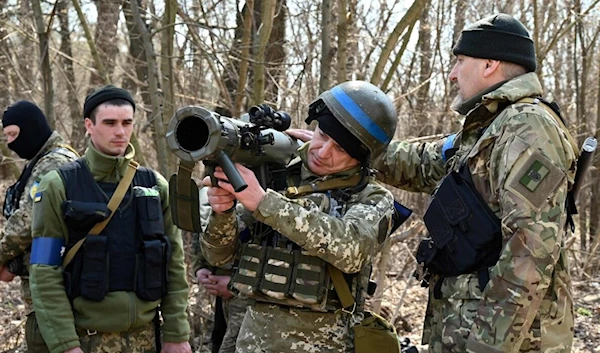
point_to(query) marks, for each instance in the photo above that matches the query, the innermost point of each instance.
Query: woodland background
(227, 55)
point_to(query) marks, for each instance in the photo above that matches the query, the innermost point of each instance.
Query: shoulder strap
(341, 287)
(556, 117)
(337, 183)
(113, 204)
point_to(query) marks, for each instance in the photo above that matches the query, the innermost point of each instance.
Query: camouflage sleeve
(220, 241)
(176, 327)
(530, 168)
(50, 301)
(198, 259)
(15, 236)
(347, 242)
(412, 166)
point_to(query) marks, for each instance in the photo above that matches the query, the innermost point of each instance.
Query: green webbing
(184, 198)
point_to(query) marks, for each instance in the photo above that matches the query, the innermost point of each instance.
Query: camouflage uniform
(347, 240)
(15, 237)
(120, 322)
(527, 304)
(234, 308)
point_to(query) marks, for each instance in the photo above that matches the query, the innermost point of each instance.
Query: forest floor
(409, 314)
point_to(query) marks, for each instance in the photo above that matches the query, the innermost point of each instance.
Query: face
(112, 130)
(11, 132)
(469, 74)
(326, 157)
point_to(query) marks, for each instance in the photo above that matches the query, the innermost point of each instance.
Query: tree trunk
(327, 51)
(411, 16)
(75, 112)
(263, 34)
(156, 99)
(240, 92)
(342, 44)
(45, 68)
(168, 77)
(106, 39)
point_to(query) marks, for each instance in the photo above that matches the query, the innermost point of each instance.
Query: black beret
(104, 94)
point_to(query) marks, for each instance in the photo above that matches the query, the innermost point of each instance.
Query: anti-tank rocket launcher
(196, 134)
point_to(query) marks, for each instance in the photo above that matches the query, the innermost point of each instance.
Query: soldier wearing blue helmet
(330, 218)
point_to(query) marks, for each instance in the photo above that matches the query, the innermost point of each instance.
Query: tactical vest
(273, 269)
(131, 253)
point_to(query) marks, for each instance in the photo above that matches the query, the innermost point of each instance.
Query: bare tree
(42, 34)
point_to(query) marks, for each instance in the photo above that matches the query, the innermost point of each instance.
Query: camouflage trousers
(277, 329)
(234, 309)
(449, 320)
(139, 340)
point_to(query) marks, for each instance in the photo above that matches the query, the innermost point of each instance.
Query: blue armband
(47, 251)
(448, 144)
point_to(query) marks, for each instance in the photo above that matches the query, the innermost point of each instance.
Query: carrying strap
(331, 184)
(556, 117)
(341, 288)
(113, 204)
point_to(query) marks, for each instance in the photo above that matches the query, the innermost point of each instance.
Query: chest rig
(273, 269)
(131, 253)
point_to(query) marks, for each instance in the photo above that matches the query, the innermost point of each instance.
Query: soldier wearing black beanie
(34, 128)
(498, 37)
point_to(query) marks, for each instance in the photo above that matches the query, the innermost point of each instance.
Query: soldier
(333, 217)
(117, 271)
(498, 273)
(215, 281)
(29, 135)
(507, 288)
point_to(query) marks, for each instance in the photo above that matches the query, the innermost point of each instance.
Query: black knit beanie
(332, 127)
(104, 94)
(34, 128)
(498, 37)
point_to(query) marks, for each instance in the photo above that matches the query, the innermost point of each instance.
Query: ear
(88, 125)
(491, 67)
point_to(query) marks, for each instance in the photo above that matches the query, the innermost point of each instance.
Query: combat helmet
(363, 109)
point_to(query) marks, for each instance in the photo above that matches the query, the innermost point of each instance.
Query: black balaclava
(352, 145)
(35, 130)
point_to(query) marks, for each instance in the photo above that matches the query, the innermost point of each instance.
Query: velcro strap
(47, 251)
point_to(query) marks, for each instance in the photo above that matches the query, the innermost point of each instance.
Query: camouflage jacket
(119, 311)
(527, 304)
(348, 240)
(15, 236)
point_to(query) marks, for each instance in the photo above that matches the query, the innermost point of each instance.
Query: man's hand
(219, 199)
(176, 347)
(250, 197)
(218, 286)
(300, 134)
(74, 350)
(5, 274)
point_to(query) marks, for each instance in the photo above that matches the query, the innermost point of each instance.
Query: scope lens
(191, 133)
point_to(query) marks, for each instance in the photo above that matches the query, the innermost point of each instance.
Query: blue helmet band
(359, 115)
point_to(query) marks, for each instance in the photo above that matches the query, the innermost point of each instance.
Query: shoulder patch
(37, 197)
(33, 190)
(534, 178)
